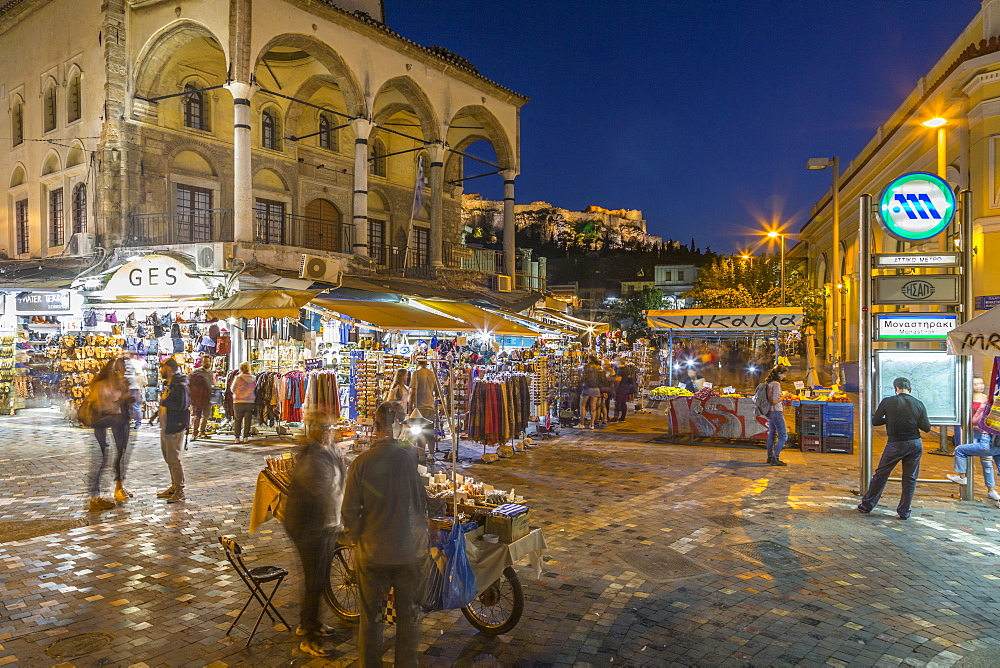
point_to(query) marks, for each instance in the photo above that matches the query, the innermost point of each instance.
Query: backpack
(760, 400)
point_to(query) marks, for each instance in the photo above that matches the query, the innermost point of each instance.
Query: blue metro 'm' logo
(916, 206)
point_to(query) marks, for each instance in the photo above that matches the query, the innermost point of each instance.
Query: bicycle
(495, 610)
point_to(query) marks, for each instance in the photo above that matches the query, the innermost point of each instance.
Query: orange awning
(481, 319)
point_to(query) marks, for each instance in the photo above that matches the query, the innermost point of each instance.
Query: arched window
(79, 208)
(269, 130)
(195, 108)
(327, 136)
(378, 159)
(50, 108)
(74, 102)
(17, 123)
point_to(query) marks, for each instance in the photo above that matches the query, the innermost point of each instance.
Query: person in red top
(200, 384)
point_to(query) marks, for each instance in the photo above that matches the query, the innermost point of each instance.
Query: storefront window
(57, 228)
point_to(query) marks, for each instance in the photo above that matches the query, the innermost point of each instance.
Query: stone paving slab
(647, 562)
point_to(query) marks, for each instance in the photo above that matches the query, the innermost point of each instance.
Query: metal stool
(253, 578)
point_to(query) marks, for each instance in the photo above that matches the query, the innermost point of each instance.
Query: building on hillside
(594, 226)
(265, 130)
(675, 281)
(568, 293)
(963, 87)
(629, 287)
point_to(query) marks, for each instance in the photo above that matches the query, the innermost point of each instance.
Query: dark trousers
(315, 552)
(243, 418)
(908, 452)
(373, 587)
(621, 406)
(118, 424)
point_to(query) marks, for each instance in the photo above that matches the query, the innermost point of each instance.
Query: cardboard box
(508, 529)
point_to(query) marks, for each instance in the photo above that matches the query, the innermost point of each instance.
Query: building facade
(963, 88)
(275, 127)
(675, 281)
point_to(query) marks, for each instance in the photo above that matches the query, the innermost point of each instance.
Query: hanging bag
(991, 412)
(450, 582)
(223, 345)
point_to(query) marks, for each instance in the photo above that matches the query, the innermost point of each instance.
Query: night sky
(700, 113)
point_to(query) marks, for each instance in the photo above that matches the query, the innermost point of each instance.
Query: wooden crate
(508, 529)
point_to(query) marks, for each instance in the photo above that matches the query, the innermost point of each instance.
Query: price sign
(314, 364)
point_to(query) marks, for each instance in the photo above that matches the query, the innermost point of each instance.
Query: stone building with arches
(280, 127)
(963, 88)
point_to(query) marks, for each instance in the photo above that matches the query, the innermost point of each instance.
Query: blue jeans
(980, 448)
(777, 433)
(908, 452)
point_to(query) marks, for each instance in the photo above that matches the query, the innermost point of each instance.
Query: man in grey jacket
(385, 515)
(174, 421)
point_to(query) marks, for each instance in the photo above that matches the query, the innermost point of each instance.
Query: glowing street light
(774, 234)
(834, 163)
(939, 123)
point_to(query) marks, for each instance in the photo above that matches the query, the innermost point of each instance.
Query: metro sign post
(915, 208)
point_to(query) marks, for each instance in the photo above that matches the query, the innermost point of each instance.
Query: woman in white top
(777, 433)
(399, 390)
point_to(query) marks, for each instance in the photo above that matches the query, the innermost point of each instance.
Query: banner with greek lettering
(979, 336)
(745, 320)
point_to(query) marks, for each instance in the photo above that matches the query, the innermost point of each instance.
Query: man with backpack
(904, 418)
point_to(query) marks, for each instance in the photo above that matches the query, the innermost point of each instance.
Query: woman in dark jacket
(624, 393)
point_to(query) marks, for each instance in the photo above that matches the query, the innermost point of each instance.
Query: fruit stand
(710, 414)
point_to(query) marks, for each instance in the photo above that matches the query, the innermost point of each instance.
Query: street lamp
(938, 123)
(834, 163)
(778, 235)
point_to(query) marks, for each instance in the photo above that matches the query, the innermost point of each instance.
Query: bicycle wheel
(342, 588)
(499, 607)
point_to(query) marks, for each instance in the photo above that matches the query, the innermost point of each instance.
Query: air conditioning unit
(317, 268)
(81, 244)
(504, 284)
(209, 257)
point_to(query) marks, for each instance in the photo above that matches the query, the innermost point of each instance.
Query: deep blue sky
(701, 113)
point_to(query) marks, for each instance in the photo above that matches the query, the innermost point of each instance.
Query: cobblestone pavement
(658, 555)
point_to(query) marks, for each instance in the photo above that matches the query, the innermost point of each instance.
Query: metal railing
(179, 227)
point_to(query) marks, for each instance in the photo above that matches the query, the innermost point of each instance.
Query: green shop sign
(917, 206)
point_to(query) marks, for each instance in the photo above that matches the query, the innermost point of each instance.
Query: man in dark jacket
(904, 418)
(385, 515)
(312, 520)
(174, 418)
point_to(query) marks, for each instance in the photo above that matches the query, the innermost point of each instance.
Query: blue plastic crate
(838, 429)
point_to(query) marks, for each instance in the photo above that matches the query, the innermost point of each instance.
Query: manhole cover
(15, 531)
(731, 521)
(658, 563)
(775, 556)
(78, 645)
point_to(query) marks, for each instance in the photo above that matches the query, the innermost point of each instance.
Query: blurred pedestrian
(590, 392)
(200, 383)
(777, 432)
(312, 519)
(904, 418)
(174, 421)
(984, 445)
(624, 392)
(399, 390)
(384, 515)
(135, 374)
(109, 403)
(424, 389)
(244, 389)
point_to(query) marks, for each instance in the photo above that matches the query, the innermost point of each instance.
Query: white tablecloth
(488, 560)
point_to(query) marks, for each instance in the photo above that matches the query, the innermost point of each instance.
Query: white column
(436, 152)
(243, 209)
(362, 129)
(509, 246)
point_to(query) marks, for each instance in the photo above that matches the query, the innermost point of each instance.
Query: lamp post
(835, 277)
(938, 124)
(778, 235)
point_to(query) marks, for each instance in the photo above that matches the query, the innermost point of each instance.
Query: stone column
(542, 273)
(436, 152)
(509, 245)
(362, 128)
(244, 227)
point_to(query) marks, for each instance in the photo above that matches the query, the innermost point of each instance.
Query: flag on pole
(418, 187)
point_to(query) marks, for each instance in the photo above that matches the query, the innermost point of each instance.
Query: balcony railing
(179, 227)
(313, 233)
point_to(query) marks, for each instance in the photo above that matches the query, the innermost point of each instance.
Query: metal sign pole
(865, 340)
(968, 304)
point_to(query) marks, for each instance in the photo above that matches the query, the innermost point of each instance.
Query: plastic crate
(840, 412)
(839, 446)
(811, 444)
(811, 427)
(838, 429)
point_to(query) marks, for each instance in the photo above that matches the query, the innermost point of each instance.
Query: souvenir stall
(716, 412)
(151, 308)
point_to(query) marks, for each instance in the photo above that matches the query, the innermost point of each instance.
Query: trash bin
(851, 375)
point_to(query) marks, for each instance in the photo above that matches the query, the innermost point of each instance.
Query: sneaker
(778, 462)
(166, 494)
(313, 648)
(324, 630)
(993, 494)
(176, 497)
(863, 511)
(122, 494)
(956, 478)
(99, 503)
